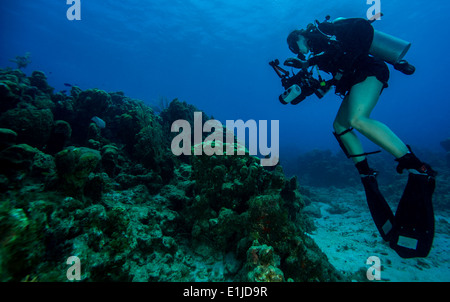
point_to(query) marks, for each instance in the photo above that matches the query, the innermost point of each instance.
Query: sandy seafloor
(347, 235)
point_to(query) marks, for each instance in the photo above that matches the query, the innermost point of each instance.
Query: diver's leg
(350, 140)
(381, 212)
(361, 100)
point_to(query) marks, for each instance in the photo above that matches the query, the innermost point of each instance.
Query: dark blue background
(214, 54)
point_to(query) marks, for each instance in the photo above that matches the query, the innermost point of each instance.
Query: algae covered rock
(229, 180)
(133, 211)
(74, 166)
(262, 264)
(179, 110)
(59, 137)
(17, 158)
(8, 97)
(93, 102)
(86, 105)
(152, 151)
(269, 218)
(8, 138)
(20, 250)
(33, 126)
(39, 80)
(110, 156)
(256, 205)
(23, 164)
(12, 84)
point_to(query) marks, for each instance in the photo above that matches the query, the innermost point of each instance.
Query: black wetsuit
(348, 54)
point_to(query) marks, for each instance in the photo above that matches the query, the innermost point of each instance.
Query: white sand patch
(349, 238)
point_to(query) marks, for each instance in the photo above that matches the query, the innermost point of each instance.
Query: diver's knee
(338, 127)
(358, 123)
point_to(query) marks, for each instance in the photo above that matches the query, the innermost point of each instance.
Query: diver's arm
(319, 60)
(296, 63)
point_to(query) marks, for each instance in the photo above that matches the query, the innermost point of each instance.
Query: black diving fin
(381, 212)
(413, 231)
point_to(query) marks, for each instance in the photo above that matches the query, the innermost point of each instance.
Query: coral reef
(117, 198)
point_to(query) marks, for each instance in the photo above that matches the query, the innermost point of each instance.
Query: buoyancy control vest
(356, 37)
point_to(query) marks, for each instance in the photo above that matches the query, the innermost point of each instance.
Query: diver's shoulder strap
(355, 33)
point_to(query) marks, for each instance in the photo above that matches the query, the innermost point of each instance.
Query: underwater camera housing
(299, 86)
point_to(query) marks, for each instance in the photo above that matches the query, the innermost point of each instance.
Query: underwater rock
(151, 151)
(17, 159)
(12, 83)
(8, 138)
(92, 102)
(32, 92)
(259, 205)
(269, 218)
(63, 109)
(86, 104)
(179, 110)
(39, 80)
(231, 179)
(33, 126)
(121, 127)
(96, 184)
(20, 161)
(8, 97)
(110, 154)
(4, 183)
(226, 226)
(176, 197)
(74, 166)
(175, 111)
(128, 205)
(94, 132)
(313, 166)
(313, 210)
(43, 165)
(295, 201)
(20, 246)
(59, 137)
(93, 144)
(151, 180)
(262, 264)
(43, 102)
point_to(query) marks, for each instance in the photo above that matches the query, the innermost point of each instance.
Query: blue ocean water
(214, 54)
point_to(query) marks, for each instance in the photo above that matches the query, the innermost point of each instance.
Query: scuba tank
(379, 44)
(388, 48)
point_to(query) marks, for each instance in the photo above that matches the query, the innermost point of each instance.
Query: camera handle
(280, 71)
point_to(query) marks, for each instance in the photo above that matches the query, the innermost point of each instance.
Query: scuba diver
(355, 55)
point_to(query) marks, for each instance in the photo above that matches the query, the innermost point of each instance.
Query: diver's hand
(296, 63)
